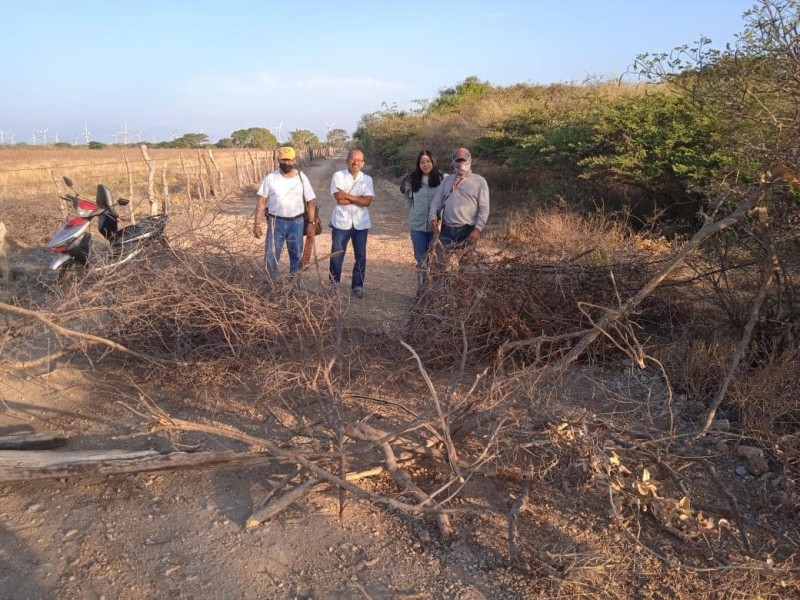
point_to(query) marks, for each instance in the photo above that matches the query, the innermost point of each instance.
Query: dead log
(21, 465)
(28, 440)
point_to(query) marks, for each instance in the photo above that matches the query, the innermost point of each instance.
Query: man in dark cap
(461, 204)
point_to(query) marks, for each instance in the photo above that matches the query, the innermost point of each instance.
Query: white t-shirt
(351, 216)
(285, 194)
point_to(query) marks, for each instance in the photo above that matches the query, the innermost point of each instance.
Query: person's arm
(364, 200)
(436, 205)
(483, 212)
(260, 206)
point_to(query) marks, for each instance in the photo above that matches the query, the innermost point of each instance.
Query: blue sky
(176, 66)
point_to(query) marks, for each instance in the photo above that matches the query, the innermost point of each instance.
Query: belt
(286, 218)
(456, 226)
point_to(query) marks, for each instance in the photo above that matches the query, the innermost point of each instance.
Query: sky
(163, 68)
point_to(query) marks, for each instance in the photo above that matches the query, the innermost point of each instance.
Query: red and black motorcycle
(73, 241)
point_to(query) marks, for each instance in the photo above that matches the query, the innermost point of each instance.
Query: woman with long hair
(418, 189)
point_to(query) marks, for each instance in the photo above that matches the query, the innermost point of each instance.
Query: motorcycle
(73, 241)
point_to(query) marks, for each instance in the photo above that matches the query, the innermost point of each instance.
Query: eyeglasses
(356, 160)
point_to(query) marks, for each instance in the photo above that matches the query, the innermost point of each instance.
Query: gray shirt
(467, 205)
(419, 206)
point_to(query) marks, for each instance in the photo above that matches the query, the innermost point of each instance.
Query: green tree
(254, 137)
(303, 137)
(337, 138)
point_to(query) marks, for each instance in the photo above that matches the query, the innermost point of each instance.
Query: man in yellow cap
(284, 193)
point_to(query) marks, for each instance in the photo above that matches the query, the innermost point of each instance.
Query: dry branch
(93, 339)
(271, 509)
(611, 316)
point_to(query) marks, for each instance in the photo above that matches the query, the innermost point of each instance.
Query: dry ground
(182, 534)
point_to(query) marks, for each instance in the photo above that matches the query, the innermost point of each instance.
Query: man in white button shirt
(284, 193)
(353, 193)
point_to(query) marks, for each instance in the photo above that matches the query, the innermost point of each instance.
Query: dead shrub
(767, 398)
(557, 273)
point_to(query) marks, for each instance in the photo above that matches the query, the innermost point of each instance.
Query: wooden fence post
(130, 189)
(239, 174)
(201, 185)
(220, 179)
(188, 181)
(151, 177)
(166, 186)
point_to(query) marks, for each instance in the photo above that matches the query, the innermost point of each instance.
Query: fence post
(166, 186)
(219, 172)
(151, 177)
(201, 185)
(188, 180)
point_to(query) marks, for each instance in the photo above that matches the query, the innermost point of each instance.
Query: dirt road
(182, 534)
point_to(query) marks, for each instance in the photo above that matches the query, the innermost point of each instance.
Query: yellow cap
(286, 153)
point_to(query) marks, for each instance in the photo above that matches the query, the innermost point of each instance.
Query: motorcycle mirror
(123, 201)
(68, 181)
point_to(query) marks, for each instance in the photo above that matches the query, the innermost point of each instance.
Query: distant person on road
(353, 193)
(284, 194)
(460, 207)
(418, 189)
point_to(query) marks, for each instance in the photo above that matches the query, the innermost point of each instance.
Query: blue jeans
(421, 241)
(280, 231)
(339, 240)
(451, 236)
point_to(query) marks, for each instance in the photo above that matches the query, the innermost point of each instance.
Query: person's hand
(311, 230)
(257, 231)
(341, 197)
(436, 225)
(474, 235)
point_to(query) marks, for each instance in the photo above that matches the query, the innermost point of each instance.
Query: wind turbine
(13, 135)
(123, 133)
(44, 135)
(279, 130)
(139, 136)
(86, 135)
(172, 135)
(56, 140)
(34, 139)
(2, 138)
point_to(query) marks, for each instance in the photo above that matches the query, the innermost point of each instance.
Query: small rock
(424, 536)
(170, 571)
(70, 533)
(742, 471)
(753, 458)
(721, 424)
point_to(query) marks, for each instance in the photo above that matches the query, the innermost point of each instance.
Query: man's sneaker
(358, 292)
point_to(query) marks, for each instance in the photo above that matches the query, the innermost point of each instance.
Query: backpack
(405, 186)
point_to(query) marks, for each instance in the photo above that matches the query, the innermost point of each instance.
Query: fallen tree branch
(271, 509)
(611, 316)
(86, 337)
(403, 479)
(167, 423)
